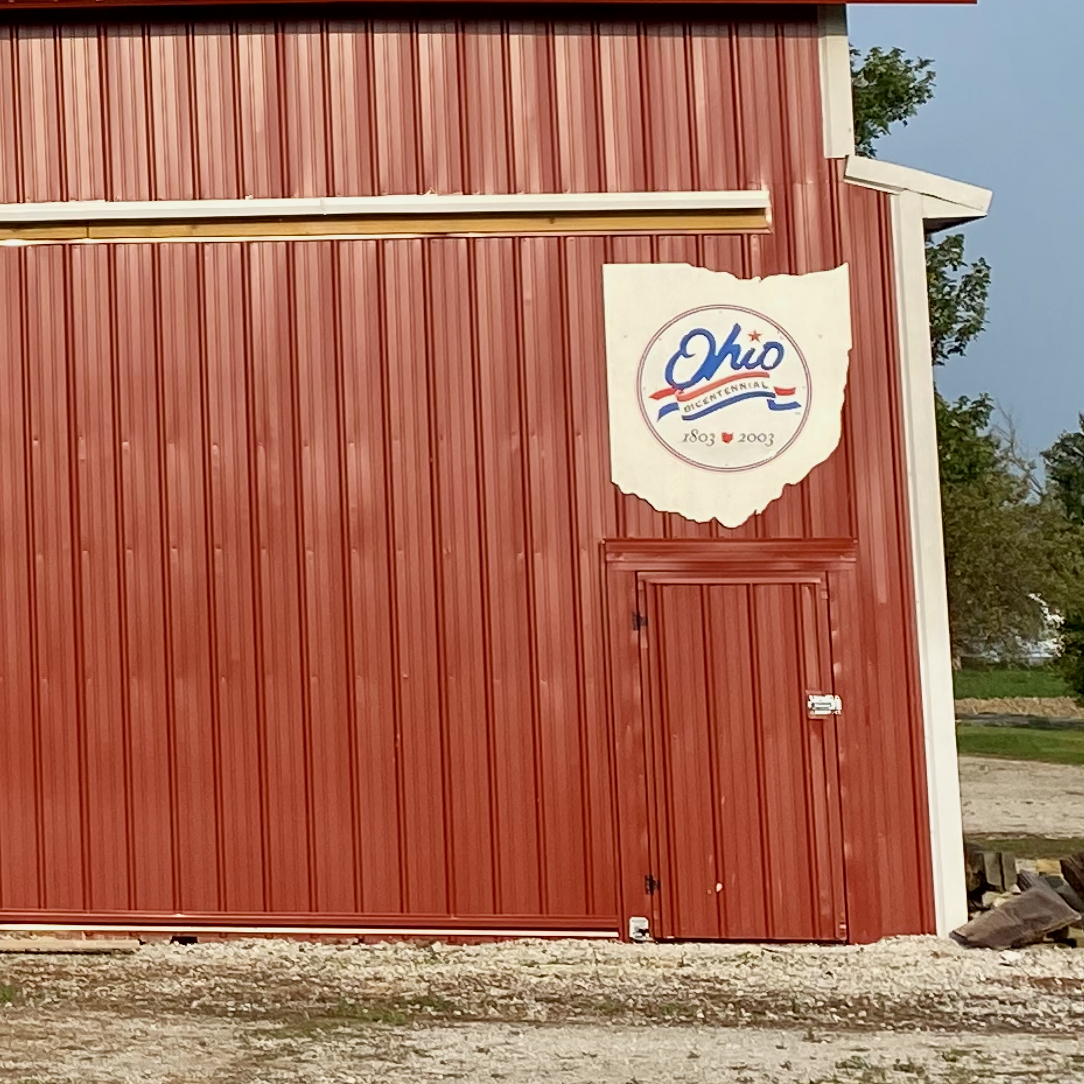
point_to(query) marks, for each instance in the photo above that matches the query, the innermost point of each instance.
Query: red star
(754, 336)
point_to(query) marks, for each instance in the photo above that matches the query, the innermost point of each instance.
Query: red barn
(342, 345)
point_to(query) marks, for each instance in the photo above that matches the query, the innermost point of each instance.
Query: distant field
(1018, 743)
(995, 684)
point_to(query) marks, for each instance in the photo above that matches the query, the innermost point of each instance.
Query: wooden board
(70, 945)
(573, 223)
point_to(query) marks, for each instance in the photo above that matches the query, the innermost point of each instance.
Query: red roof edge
(90, 5)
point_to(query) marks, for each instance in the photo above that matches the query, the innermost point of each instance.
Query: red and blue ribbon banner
(702, 394)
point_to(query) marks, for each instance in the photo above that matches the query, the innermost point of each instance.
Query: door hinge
(651, 885)
(639, 621)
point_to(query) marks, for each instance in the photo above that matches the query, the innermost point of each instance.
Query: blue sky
(1008, 114)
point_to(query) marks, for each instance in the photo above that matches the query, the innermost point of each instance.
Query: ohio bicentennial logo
(724, 388)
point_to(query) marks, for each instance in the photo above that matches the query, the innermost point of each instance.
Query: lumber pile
(1010, 907)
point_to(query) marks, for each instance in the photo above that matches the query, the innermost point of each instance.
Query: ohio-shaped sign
(722, 391)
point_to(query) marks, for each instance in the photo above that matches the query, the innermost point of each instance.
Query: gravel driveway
(1011, 798)
(908, 1011)
(916, 1010)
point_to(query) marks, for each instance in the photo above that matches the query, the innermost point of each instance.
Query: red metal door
(746, 837)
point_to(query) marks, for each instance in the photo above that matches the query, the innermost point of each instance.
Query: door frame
(625, 561)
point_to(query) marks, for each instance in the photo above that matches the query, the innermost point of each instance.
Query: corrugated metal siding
(264, 108)
(229, 472)
(746, 789)
(885, 811)
(286, 629)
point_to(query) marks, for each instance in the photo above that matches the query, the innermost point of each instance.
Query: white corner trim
(835, 67)
(968, 201)
(78, 211)
(928, 557)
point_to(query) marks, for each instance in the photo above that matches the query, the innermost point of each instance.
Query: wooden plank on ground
(70, 945)
(1008, 870)
(1072, 869)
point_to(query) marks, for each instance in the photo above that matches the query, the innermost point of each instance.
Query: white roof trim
(945, 203)
(72, 211)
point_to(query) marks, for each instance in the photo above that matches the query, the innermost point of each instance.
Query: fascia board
(945, 201)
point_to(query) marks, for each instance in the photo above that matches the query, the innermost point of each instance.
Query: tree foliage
(958, 292)
(1071, 655)
(887, 87)
(1012, 548)
(1010, 555)
(1065, 483)
(1065, 472)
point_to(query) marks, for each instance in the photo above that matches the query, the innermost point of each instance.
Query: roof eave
(946, 203)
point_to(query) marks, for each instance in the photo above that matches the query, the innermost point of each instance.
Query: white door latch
(822, 704)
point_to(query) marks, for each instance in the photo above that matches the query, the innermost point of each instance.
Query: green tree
(1009, 550)
(958, 292)
(1010, 553)
(887, 88)
(1065, 472)
(1071, 655)
(1065, 482)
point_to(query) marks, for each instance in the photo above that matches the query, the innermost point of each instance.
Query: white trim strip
(79, 211)
(835, 66)
(928, 557)
(972, 202)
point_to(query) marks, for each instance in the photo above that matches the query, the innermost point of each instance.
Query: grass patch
(1018, 743)
(433, 1003)
(995, 684)
(1030, 846)
(10, 994)
(383, 1012)
(669, 1011)
(610, 1008)
(369, 1013)
(394, 1012)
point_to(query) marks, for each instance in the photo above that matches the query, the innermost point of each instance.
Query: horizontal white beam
(970, 201)
(79, 211)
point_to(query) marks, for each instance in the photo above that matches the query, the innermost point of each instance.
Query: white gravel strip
(265, 1012)
(907, 981)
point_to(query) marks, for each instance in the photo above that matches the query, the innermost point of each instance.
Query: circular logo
(724, 388)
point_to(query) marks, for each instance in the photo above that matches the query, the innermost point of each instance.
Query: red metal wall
(301, 591)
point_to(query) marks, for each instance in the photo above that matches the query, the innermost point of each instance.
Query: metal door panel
(745, 833)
